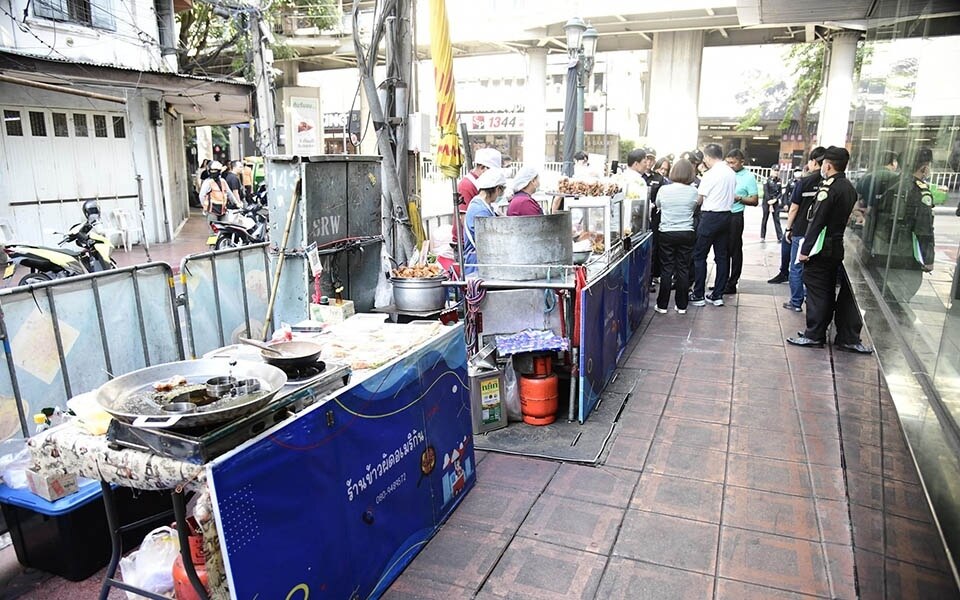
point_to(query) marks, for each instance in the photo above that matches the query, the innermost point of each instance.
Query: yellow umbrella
(449, 157)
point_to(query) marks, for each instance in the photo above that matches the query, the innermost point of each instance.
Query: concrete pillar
(535, 115)
(673, 121)
(835, 116)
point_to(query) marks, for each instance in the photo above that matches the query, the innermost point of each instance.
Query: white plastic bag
(14, 461)
(511, 394)
(384, 294)
(151, 567)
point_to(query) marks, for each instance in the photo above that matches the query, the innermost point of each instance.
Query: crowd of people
(220, 187)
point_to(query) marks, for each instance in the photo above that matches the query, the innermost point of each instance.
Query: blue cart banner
(611, 309)
(337, 501)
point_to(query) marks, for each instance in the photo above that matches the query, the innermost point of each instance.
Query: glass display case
(599, 218)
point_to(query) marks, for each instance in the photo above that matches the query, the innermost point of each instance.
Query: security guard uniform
(912, 247)
(823, 244)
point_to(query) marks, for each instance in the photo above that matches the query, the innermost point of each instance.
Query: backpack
(217, 199)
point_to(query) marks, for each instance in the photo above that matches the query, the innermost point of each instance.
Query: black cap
(836, 153)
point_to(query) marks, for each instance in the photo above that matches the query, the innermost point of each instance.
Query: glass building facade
(904, 239)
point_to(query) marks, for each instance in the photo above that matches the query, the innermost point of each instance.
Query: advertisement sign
(493, 122)
(305, 135)
(335, 502)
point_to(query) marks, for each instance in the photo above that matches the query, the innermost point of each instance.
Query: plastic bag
(14, 461)
(384, 294)
(511, 394)
(151, 567)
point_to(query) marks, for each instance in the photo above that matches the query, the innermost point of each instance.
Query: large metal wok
(133, 399)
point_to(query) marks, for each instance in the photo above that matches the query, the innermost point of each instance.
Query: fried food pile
(583, 188)
(418, 271)
(168, 384)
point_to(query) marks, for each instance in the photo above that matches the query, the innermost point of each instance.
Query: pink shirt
(522, 205)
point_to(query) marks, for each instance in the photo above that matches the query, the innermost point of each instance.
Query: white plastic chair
(115, 229)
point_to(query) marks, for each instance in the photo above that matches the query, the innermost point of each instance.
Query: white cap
(491, 178)
(488, 157)
(215, 166)
(524, 177)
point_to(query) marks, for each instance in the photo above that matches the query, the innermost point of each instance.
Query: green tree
(212, 36)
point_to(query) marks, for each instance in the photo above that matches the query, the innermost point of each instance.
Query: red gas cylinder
(538, 399)
(542, 365)
(182, 588)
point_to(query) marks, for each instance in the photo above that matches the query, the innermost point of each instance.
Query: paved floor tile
(668, 541)
(655, 383)
(821, 424)
(701, 388)
(828, 482)
(899, 465)
(763, 397)
(540, 571)
(410, 587)
(794, 516)
(870, 575)
(769, 475)
(772, 560)
(697, 371)
(834, 517)
(638, 424)
(915, 542)
(516, 472)
(822, 450)
(865, 459)
(601, 485)
(738, 590)
(679, 497)
(840, 569)
(906, 580)
(573, 523)
(645, 402)
(627, 452)
(760, 442)
(493, 508)
(692, 433)
(694, 361)
(867, 526)
(783, 419)
(460, 555)
(752, 377)
(865, 489)
(698, 409)
(626, 578)
(686, 461)
(906, 500)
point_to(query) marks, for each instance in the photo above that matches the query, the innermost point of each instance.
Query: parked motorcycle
(239, 227)
(46, 264)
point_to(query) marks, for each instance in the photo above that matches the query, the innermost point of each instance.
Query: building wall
(126, 35)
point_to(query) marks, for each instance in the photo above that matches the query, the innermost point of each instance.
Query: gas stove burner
(303, 373)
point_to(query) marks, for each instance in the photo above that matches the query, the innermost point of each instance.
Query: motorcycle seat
(68, 251)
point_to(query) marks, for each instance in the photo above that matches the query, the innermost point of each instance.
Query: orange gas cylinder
(182, 588)
(538, 399)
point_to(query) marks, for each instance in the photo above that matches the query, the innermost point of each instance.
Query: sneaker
(662, 311)
(790, 306)
(680, 311)
(715, 300)
(779, 279)
(697, 301)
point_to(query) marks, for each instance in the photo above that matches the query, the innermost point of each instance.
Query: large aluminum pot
(524, 248)
(416, 294)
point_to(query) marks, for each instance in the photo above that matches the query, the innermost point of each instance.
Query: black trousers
(820, 277)
(774, 211)
(676, 248)
(735, 249)
(655, 259)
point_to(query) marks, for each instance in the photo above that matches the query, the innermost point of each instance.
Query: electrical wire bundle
(474, 295)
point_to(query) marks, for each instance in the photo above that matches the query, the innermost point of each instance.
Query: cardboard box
(333, 312)
(51, 487)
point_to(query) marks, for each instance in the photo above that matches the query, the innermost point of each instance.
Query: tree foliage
(213, 35)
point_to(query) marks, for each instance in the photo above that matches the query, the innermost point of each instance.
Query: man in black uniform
(912, 247)
(822, 255)
(802, 199)
(653, 180)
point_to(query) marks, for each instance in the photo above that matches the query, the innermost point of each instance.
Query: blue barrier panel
(337, 501)
(611, 309)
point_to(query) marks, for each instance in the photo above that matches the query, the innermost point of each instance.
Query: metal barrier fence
(225, 296)
(66, 337)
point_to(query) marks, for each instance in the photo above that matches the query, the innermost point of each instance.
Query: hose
(474, 295)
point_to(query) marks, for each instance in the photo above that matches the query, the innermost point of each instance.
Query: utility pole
(260, 35)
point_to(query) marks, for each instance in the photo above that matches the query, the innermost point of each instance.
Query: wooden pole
(274, 287)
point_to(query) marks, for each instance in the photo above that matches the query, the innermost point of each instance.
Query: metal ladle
(263, 346)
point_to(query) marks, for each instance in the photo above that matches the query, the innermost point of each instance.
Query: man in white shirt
(717, 188)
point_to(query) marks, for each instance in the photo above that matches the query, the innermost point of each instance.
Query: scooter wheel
(225, 242)
(33, 278)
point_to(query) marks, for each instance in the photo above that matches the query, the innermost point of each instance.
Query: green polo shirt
(746, 186)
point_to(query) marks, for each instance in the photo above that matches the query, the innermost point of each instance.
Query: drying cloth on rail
(530, 340)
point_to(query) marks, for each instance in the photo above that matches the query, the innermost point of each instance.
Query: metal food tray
(199, 446)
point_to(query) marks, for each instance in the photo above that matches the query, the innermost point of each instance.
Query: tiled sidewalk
(726, 479)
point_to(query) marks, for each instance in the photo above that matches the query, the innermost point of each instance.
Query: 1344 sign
(496, 122)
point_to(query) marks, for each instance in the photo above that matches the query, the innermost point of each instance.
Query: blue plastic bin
(68, 537)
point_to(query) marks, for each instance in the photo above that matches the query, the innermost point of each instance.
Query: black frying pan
(291, 354)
